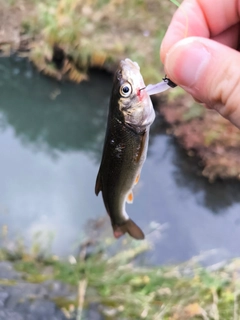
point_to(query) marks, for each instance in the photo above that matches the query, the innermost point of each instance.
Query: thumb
(209, 71)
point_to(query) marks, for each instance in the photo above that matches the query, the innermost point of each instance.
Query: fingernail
(186, 62)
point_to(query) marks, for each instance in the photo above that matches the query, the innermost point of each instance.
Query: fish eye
(126, 90)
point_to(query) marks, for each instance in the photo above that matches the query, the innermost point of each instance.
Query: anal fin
(130, 197)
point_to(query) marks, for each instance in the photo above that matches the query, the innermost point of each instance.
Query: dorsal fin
(98, 185)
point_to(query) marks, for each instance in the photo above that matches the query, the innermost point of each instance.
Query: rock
(93, 312)
(7, 271)
(20, 300)
(3, 298)
(10, 315)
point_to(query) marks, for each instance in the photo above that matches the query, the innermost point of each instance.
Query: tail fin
(131, 228)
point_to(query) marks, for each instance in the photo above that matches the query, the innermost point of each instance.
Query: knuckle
(225, 97)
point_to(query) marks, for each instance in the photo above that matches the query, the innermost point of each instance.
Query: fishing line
(166, 83)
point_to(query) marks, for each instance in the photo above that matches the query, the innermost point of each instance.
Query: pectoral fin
(137, 179)
(141, 147)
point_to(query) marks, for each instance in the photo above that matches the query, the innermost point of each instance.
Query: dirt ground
(11, 17)
(205, 134)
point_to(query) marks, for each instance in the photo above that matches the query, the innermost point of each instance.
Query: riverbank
(118, 286)
(64, 39)
(98, 284)
(211, 139)
(21, 300)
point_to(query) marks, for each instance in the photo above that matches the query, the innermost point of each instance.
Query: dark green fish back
(121, 161)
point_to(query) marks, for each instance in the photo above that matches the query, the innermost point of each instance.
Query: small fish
(130, 115)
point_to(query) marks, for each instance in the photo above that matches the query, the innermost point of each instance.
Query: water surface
(51, 137)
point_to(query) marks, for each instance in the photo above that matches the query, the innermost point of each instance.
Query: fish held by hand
(130, 115)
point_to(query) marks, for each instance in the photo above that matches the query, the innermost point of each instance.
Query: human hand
(206, 62)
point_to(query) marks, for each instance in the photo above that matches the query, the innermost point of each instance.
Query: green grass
(157, 292)
(99, 33)
(129, 291)
(175, 2)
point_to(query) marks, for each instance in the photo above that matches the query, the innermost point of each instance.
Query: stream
(51, 138)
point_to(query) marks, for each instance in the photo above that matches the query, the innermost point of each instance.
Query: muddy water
(51, 137)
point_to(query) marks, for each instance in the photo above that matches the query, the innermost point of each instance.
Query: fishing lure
(159, 87)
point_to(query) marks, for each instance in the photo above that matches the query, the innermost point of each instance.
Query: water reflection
(51, 115)
(217, 196)
(51, 135)
(200, 216)
(51, 138)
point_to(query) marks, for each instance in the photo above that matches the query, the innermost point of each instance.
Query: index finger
(203, 18)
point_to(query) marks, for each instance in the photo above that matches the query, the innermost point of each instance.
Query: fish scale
(130, 115)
